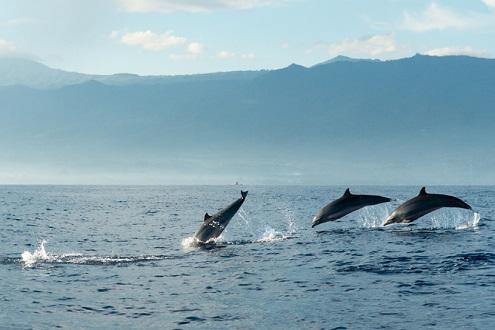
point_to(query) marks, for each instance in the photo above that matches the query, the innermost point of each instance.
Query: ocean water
(120, 257)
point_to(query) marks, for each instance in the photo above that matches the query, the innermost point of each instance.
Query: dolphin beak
(388, 221)
(315, 222)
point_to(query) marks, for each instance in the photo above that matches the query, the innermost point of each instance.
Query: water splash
(373, 216)
(453, 218)
(271, 235)
(29, 259)
(251, 232)
(473, 223)
(189, 243)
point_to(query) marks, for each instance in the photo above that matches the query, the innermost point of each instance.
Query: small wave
(41, 256)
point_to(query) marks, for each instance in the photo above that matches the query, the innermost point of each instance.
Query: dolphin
(214, 225)
(344, 205)
(423, 204)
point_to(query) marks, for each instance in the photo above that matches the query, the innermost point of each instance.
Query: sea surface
(112, 257)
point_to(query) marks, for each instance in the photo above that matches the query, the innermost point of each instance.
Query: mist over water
(113, 257)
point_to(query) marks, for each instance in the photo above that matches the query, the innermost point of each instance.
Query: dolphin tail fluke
(244, 194)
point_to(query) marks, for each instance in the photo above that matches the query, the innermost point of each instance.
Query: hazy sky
(190, 36)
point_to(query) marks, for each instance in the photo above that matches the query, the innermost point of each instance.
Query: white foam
(30, 259)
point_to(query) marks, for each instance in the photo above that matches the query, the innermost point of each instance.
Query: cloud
(195, 48)
(489, 3)
(192, 6)
(148, 40)
(435, 17)
(370, 46)
(192, 52)
(446, 51)
(225, 55)
(7, 47)
(114, 34)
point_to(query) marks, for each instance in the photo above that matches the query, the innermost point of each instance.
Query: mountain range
(418, 120)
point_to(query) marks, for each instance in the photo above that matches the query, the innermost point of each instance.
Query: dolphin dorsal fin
(207, 216)
(347, 192)
(422, 192)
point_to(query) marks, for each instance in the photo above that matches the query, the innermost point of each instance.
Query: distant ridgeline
(422, 119)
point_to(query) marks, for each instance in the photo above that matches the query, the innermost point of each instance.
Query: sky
(194, 36)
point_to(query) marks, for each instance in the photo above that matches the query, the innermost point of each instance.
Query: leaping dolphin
(344, 205)
(214, 225)
(421, 205)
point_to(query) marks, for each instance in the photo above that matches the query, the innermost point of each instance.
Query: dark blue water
(119, 257)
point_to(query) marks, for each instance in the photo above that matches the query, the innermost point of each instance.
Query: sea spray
(291, 222)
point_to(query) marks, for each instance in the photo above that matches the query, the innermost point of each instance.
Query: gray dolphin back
(213, 226)
(344, 205)
(423, 204)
